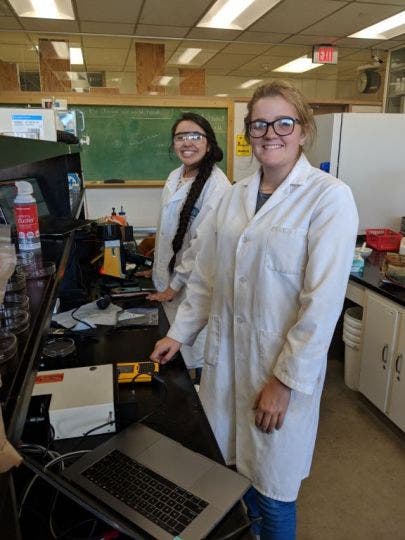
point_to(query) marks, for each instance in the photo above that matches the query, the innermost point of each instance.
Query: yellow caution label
(243, 149)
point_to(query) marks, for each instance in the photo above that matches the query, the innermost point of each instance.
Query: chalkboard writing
(133, 143)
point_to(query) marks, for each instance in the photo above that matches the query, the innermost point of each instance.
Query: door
(396, 407)
(378, 344)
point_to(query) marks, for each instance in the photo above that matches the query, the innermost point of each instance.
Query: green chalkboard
(132, 143)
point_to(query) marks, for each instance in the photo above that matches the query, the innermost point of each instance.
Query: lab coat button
(243, 279)
(240, 319)
(245, 239)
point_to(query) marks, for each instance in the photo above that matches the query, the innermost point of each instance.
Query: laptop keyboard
(155, 497)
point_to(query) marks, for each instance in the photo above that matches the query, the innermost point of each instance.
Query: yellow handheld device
(137, 371)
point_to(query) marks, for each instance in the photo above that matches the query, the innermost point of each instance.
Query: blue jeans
(278, 517)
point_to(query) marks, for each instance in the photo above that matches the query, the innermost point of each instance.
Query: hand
(164, 296)
(144, 273)
(164, 350)
(271, 405)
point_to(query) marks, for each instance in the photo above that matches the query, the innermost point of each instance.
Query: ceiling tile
(110, 57)
(17, 53)
(173, 12)
(116, 29)
(357, 43)
(106, 42)
(126, 11)
(391, 2)
(285, 17)
(9, 23)
(294, 51)
(262, 37)
(230, 61)
(5, 9)
(14, 37)
(352, 18)
(48, 25)
(245, 48)
(160, 31)
(213, 33)
(303, 39)
(102, 67)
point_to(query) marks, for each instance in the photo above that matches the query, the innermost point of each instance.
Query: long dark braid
(205, 167)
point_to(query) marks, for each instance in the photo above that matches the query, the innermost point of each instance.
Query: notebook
(159, 485)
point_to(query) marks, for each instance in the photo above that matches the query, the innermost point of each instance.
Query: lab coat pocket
(270, 345)
(286, 250)
(213, 340)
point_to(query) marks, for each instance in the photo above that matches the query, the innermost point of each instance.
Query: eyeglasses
(281, 126)
(190, 136)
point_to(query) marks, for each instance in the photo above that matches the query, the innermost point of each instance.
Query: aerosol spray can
(26, 217)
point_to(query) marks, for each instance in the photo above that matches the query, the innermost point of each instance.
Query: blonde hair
(293, 96)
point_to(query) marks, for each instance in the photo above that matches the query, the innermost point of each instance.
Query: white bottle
(26, 217)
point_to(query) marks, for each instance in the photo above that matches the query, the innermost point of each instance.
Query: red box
(383, 239)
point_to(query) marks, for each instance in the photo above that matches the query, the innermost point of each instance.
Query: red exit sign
(324, 54)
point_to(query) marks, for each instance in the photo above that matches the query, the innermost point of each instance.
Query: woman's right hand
(164, 350)
(144, 273)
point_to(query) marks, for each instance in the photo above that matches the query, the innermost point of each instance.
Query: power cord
(58, 459)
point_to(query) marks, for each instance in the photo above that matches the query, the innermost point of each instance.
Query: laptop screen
(8, 193)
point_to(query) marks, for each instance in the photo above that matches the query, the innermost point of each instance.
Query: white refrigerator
(367, 151)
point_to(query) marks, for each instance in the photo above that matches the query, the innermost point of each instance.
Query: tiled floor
(356, 490)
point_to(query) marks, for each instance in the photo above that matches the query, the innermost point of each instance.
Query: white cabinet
(396, 402)
(382, 375)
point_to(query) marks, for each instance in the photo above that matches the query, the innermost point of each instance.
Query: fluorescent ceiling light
(236, 14)
(299, 65)
(249, 83)
(386, 29)
(188, 55)
(76, 56)
(44, 9)
(164, 81)
(222, 95)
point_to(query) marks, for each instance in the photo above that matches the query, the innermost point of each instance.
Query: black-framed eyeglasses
(190, 136)
(282, 126)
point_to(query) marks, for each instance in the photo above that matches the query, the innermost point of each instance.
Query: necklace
(264, 190)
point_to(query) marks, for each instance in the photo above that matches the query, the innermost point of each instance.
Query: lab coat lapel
(250, 199)
(298, 176)
(175, 194)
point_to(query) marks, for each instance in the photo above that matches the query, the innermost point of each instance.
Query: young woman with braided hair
(190, 196)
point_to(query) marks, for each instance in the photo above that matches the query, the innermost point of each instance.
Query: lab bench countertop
(372, 278)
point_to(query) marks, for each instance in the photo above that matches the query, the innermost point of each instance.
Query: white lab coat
(171, 205)
(271, 286)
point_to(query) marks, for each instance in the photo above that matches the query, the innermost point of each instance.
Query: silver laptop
(153, 481)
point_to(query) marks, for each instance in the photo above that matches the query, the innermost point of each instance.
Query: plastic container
(16, 282)
(17, 300)
(40, 270)
(14, 320)
(352, 335)
(8, 346)
(59, 347)
(383, 239)
(26, 217)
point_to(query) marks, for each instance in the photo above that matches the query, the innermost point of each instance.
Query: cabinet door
(378, 343)
(396, 407)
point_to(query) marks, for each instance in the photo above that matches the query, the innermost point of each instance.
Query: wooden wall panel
(192, 82)
(104, 90)
(54, 65)
(9, 79)
(150, 66)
